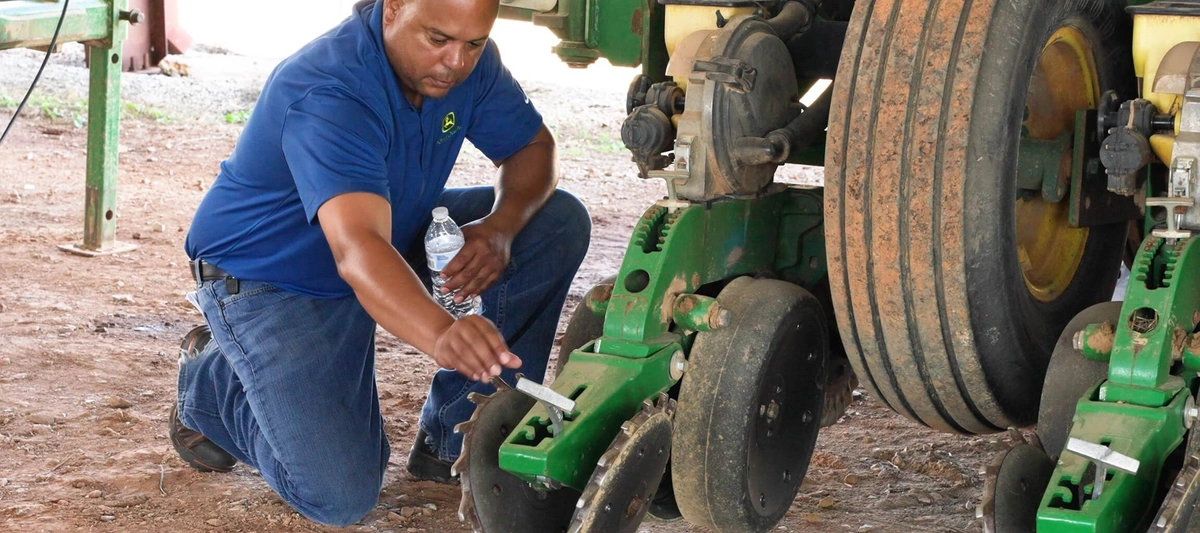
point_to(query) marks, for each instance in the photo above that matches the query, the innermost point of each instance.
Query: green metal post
(104, 115)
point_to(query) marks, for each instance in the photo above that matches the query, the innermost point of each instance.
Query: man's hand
(358, 228)
(480, 262)
(473, 347)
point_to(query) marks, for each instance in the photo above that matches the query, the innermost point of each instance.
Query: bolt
(1077, 340)
(772, 410)
(1190, 412)
(133, 16)
(678, 364)
(720, 319)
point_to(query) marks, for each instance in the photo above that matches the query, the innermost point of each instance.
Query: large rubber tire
(938, 316)
(749, 408)
(1069, 377)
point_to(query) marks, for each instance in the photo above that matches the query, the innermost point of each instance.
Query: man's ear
(391, 8)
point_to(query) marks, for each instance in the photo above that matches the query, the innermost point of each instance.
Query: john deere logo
(448, 122)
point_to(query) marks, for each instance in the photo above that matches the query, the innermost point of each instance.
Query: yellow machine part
(681, 21)
(1153, 37)
(1162, 146)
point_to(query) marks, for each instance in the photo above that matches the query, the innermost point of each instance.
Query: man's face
(434, 44)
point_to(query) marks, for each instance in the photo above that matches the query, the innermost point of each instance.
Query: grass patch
(131, 109)
(75, 110)
(237, 117)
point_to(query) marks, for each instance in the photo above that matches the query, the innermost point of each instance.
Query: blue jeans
(288, 385)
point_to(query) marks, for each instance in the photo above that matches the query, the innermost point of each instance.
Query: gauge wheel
(749, 407)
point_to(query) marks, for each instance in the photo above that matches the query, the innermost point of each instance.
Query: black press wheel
(950, 283)
(749, 407)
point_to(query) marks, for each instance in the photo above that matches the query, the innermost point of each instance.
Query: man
(313, 234)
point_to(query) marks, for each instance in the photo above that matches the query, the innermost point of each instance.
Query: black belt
(203, 271)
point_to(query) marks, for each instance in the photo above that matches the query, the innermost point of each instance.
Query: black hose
(811, 123)
(779, 144)
(795, 17)
(53, 41)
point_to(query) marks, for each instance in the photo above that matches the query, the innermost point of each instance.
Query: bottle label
(438, 261)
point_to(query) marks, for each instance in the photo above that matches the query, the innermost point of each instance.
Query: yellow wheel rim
(1064, 80)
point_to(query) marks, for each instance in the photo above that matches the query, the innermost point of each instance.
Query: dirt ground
(88, 346)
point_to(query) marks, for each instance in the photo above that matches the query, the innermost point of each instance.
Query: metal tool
(557, 406)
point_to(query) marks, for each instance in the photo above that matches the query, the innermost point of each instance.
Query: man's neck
(415, 98)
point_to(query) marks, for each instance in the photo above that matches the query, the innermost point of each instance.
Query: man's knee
(571, 223)
(339, 503)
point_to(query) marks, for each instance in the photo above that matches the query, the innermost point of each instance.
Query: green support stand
(100, 25)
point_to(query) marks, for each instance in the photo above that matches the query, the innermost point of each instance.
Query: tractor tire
(749, 407)
(950, 287)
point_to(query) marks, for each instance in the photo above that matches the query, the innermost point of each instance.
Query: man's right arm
(358, 228)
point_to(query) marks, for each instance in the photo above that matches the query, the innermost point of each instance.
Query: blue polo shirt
(331, 120)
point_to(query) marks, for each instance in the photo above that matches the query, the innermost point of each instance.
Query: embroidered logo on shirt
(448, 122)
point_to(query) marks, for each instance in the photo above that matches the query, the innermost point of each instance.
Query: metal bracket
(1172, 232)
(557, 405)
(1104, 458)
(727, 70)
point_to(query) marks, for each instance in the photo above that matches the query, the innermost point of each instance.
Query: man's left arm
(526, 180)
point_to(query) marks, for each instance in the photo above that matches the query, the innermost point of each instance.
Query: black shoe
(193, 343)
(425, 465)
(194, 448)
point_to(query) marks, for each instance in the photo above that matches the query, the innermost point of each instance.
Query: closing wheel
(1069, 377)
(951, 283)
(749, 407)
(1013, 489)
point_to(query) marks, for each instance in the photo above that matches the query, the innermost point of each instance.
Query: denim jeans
(288, 385)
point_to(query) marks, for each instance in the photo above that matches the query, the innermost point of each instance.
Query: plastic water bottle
(443, 240)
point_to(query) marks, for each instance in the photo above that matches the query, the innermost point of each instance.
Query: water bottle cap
(441, 213)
